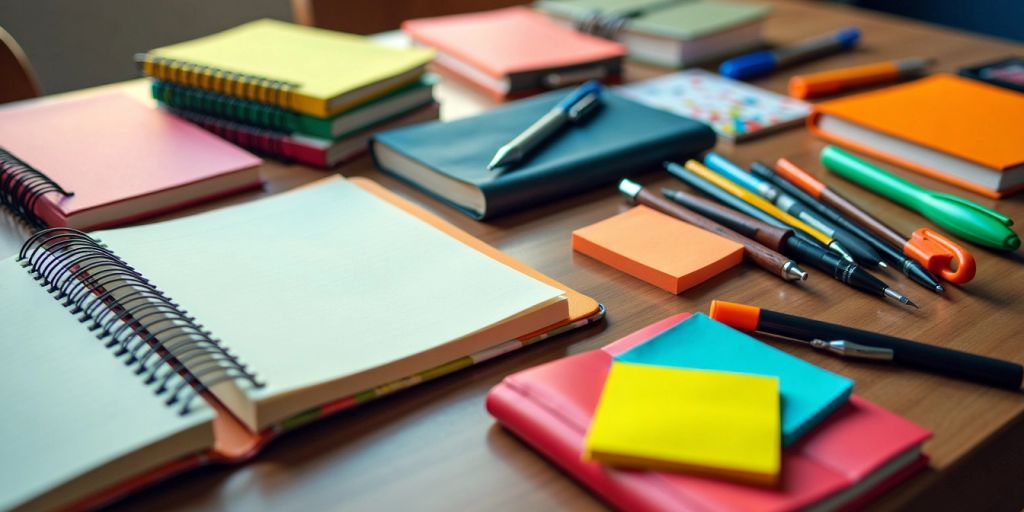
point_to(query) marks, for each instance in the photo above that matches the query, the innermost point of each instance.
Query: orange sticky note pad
(657, 248)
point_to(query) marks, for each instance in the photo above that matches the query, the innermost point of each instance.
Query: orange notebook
(158, 394)
(953, 129)
(117, 159)
(514, 52)
(657, 248)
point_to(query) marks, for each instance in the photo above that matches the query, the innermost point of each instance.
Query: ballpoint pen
(859, 249)
(784, 241)
(836, 80)
(753, 65)
(941, 360)
(932, 249)
(713, 191)
(760, 255)
(963, 218)
(580, 102)
(755, 200)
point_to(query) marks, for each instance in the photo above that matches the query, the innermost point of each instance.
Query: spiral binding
(226, 107)
(210, 78)
(142, 326)
(608, 26)
(260, 140)
(21, 188)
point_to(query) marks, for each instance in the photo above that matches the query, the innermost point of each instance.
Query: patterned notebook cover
(735, 110)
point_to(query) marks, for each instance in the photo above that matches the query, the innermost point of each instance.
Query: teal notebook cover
(809, 393)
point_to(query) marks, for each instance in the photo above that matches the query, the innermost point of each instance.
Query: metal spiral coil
(21, 188)
(210, 78)
(260, 140)
(139, 323)
(226, 107)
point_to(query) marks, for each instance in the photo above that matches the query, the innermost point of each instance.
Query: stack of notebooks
(515, 52)
(671, 33)
(689, 414)
(299, 306)
(297, 93)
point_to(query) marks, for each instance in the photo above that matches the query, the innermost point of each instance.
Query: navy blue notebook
(449, 159)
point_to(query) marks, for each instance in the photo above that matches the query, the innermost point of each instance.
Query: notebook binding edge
(261, 140)
(83, 276)
(219, 80)
(22, 186)
(230, 108)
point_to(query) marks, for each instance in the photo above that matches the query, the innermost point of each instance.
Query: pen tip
(911, 303)
(882, 264)
(889, 292)
(939, 288)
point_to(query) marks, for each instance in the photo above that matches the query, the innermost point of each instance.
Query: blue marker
(753, 65)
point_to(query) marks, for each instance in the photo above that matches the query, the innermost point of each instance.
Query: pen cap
(941, 256)
(737, 316)
(965, 219)
(748, 66)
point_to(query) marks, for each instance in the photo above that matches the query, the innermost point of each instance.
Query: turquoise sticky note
(808, 392)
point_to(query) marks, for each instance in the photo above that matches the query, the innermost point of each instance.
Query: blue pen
(574, 107)
(753, 65)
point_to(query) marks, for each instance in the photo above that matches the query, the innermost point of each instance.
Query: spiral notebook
(299, 305)
(105, 159)
(305, 69)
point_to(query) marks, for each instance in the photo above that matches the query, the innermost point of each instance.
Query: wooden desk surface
(435, 447)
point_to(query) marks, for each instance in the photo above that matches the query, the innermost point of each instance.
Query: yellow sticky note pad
(712, 423)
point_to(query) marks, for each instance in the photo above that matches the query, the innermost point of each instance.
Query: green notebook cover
(262, 115)
(683, 20)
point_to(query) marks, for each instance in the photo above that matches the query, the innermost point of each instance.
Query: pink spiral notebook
(105, 159)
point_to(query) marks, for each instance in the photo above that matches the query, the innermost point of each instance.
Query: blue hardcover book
(808, 393)
(449, 159)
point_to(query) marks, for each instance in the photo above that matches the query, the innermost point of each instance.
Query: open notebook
(297, 306)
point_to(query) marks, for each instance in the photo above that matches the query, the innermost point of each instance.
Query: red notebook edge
(553, 429)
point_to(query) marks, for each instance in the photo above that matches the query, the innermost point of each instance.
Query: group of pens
(783, 213)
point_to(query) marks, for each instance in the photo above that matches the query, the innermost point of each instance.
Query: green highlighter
(963, 218)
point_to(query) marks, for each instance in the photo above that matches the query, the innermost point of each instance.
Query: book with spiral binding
(261, 115)
(143, 352)
(104, 159)
(670, 33)
(300, 148)
(302, 69)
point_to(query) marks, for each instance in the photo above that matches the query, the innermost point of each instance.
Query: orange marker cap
(831, 82)
(738, 316)
(941, 256)
(799, 177)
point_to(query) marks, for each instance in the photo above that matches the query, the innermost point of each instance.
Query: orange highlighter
(832, 82)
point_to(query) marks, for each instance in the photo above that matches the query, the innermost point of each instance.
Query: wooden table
(434, 447)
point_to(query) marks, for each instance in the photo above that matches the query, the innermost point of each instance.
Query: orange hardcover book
(158, 394)
(657, 248)
(953, 129)
(515, 51)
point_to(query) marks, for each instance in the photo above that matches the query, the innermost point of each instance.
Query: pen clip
(1002, 219)
(584, 106)
(938, 254)
(854, 350)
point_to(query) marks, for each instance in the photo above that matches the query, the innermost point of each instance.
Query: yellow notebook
(305, 69)
(719, 424)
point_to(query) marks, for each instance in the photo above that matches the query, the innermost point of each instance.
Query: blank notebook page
(326, 282)
(68, 404)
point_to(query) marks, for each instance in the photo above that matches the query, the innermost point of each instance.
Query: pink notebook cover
(511, 40)
(550, 407)
(109, 147)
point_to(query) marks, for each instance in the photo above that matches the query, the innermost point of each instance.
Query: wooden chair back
(372, 16)
(17, 80)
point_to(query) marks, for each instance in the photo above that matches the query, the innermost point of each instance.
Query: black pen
(784, 241)
(907, 266)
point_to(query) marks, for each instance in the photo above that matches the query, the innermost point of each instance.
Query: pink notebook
(856, 453)
(120, 159)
